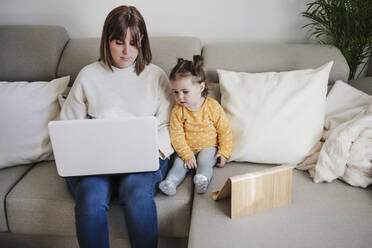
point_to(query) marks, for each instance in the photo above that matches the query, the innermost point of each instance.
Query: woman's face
(123, 52)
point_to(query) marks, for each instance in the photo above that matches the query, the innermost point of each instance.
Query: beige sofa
(36, 208)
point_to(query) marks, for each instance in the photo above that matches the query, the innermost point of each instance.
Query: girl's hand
(221, 160)
(190, 163)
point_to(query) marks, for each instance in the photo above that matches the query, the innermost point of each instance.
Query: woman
(122, 83)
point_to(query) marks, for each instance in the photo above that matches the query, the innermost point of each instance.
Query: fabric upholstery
(369, 72)
(250, 57)
(77, 54)
(8, 178)
(320, 215)
(276, 117)
(30, 53)
(165, 51)
(42, 204)
(26, 110)
(363, 84)
(41, 241)
(214, 91)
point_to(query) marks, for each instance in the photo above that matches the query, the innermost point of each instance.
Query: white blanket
(347, 149)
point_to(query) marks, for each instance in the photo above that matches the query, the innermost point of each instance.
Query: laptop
(105, 146)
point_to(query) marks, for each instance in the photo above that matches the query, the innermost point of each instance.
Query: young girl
(199, 129)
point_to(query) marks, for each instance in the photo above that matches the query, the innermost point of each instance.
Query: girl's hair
(194, 69)
(115, 28)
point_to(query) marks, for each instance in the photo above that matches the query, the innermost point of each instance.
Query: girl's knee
(207, 154)
(205, 161)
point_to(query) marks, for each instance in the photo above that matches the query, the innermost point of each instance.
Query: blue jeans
(136, 193)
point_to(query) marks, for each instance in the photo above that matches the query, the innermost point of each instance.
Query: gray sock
(168, 187)
(201, 183)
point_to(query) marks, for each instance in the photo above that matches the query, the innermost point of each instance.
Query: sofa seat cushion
(320, 215)
(8, 178)
(10, 240)
(42, 204)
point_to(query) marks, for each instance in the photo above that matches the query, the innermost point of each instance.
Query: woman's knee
(138, 205)
(136, 192)
(92, 195)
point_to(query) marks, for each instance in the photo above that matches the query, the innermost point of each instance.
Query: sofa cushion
(320, 215)
(250, 57)
(276, 117)
(8, 178)
(42, 204)
(165, 51)
(30, 53)
(214, 91)
(10, 240)
(77, 54)
(26, 110)
(344, 102)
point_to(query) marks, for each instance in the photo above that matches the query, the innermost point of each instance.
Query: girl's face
(124, 52)
(187, 93)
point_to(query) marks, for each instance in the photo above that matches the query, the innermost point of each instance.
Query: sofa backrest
(249, 57)
(165, 51)
(42, 53)
(29, 52)
(32, 52)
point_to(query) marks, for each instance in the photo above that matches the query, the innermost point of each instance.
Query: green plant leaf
(345, 24)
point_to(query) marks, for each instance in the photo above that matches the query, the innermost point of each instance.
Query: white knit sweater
(100, 93)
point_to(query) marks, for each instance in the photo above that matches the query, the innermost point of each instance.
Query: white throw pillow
(276, 117)
(344, 102)
(26, 108)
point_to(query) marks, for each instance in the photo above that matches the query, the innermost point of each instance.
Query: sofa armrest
(363, 84)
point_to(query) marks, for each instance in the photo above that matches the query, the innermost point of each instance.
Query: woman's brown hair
(194, 69)
(115, 28)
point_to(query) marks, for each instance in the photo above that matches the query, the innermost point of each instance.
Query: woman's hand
(221, 160)
(190, 164)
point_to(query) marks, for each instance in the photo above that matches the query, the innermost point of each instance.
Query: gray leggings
(204, 159)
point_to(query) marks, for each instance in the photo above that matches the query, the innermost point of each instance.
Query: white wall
(212, 21)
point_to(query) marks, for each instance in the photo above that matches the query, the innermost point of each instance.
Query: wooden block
(257, 191)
